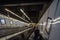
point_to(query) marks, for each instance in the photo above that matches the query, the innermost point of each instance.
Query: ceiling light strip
(15, 14)
(25, 14)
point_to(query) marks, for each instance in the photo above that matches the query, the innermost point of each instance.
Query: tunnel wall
(55, 33)
(53, 12)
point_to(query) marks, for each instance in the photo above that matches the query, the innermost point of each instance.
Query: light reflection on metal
(55, 21)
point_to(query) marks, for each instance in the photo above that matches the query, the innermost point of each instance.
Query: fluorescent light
(25, 14)
(15, 14)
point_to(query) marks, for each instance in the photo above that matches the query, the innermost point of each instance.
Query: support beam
(24, 4)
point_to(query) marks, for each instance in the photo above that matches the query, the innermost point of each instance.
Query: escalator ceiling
(33, 8)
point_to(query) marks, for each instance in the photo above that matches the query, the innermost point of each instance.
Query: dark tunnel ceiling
(33, 8)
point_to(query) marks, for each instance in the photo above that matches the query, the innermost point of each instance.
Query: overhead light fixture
(25, 14)
(15, 14)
